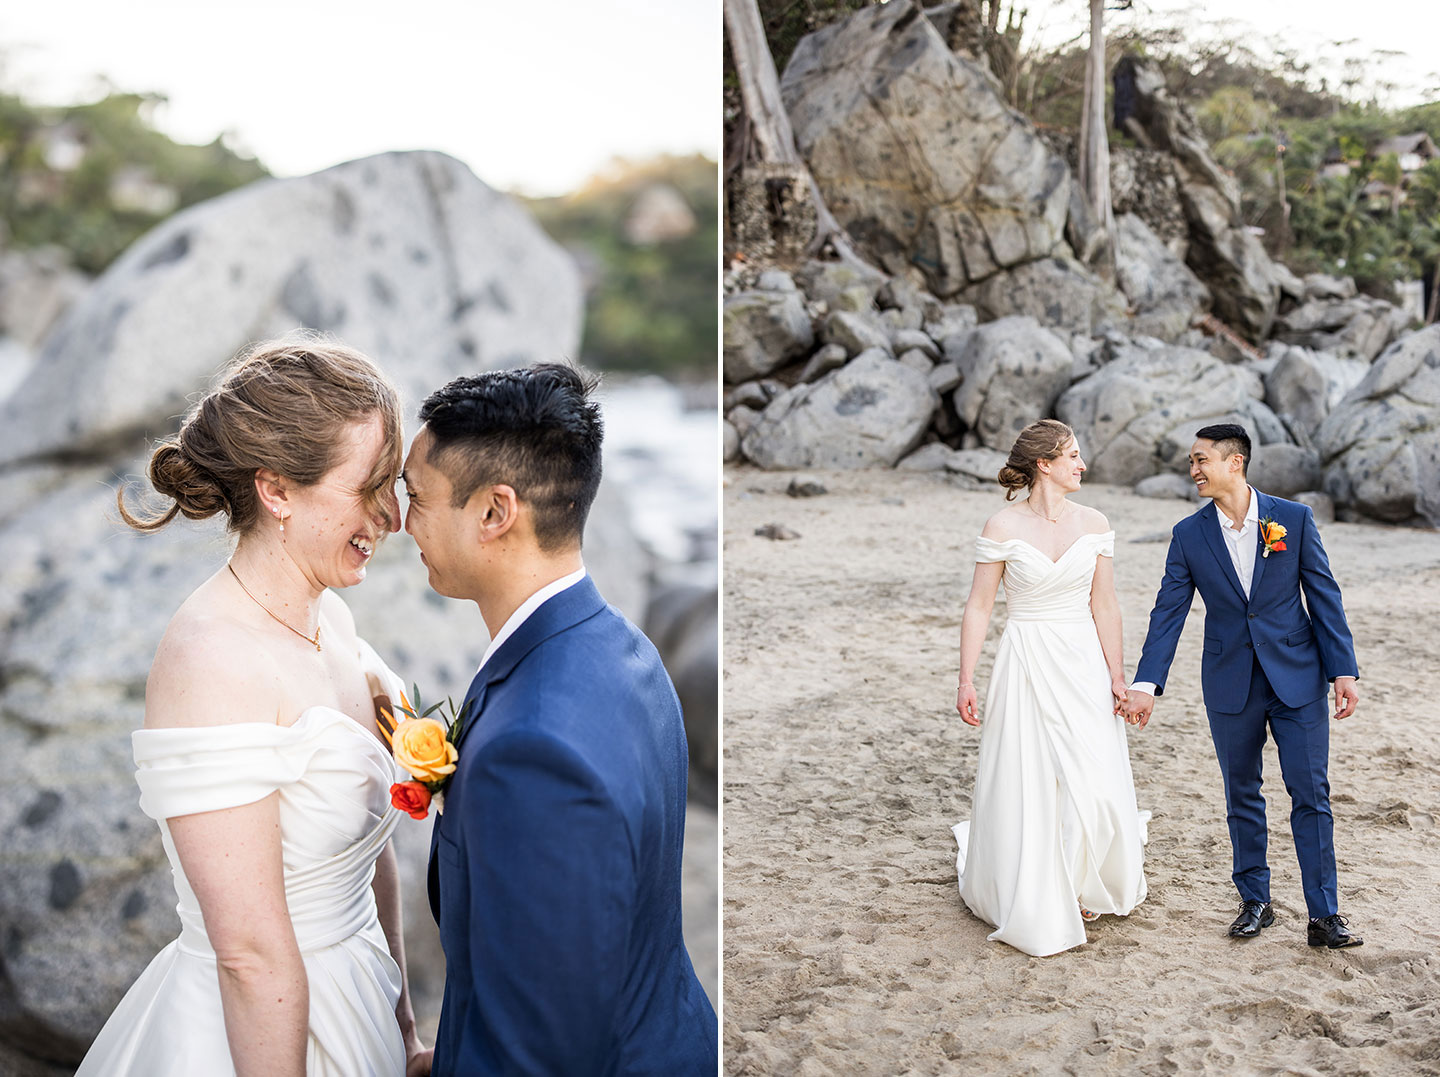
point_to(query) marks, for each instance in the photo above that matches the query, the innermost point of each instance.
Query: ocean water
(665, 458)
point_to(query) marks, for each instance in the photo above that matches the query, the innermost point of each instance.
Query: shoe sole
(1336, 946)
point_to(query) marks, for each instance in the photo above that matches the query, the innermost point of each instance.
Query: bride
(260, 759)
(1055, 840)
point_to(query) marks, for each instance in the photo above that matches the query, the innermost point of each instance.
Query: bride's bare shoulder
(1093, 519)
(1005, 524)
(209, 670)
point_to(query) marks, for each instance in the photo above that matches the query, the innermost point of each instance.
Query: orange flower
(1271, 535)
(420, 746)
(411, 797)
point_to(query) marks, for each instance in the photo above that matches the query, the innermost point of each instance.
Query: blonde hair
(279, 405)
(1043, 440)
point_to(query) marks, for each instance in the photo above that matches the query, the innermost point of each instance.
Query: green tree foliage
(63, 172)
(1264, 108)
(651, 306)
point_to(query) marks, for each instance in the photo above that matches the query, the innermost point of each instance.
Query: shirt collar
(1252, 514)
(529, 606)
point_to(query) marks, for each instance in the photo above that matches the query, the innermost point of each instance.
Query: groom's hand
(1345, 697)
(1138, 706)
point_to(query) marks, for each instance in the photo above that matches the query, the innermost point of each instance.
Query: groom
(555, 865)
(1266, 663)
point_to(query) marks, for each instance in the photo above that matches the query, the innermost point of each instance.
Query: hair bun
(1012, 478)
(195, 490)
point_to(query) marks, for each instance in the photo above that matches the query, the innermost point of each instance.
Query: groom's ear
(498, 508)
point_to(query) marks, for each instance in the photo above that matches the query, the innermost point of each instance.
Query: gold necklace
(287, 624)
(1037, 512)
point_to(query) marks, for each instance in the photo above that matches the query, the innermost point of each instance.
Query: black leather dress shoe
(1254, 915)
(1331, 931)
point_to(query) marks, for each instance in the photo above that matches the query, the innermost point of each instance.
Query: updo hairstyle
(279, 405)
(1043, 440)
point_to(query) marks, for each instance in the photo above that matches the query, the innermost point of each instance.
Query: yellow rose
(421, 748)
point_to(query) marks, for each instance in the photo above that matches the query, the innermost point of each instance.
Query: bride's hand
(1118, 689)
(418, 1064)
(968, 704)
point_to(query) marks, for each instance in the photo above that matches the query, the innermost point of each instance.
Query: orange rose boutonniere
(1273, 535)
(428, 748)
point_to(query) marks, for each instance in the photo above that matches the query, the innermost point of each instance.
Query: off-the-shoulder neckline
(1042, 553)
(338, 716)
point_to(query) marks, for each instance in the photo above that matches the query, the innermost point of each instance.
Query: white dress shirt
(1240, 541)
(529, 606)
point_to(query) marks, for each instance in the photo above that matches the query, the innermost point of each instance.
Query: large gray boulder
(1013, 371)
(36, 287)
(1221, 250)
(1058, 292)
(1358, 327)
(839, 285)
(1304, 386)
(918, 156)
(1284, 470)
(406, 256)
(869, 413)
(1165, 293)
(764, 330)
(1137, 416)
(1381, 445)
(683, 621)
(854, 332)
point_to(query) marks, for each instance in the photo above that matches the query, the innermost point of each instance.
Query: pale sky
(534, 95)
(1324, 32)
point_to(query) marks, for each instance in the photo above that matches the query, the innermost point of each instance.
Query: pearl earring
(281, 519)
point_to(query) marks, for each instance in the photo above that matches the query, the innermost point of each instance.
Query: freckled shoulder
(205, 673)
(1002, 525)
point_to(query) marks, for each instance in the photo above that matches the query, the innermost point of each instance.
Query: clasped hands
(1135, 707)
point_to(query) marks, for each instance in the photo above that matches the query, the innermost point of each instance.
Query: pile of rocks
(986, 314)
(834, 368)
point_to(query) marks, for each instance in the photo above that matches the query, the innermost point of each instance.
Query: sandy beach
(847, 948)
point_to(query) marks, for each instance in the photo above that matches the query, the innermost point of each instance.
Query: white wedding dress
(334, 781)
(1054, 816)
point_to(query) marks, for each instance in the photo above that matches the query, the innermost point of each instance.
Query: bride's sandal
(1088, 916)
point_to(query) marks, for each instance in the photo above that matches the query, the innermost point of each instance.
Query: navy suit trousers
(1302, 736)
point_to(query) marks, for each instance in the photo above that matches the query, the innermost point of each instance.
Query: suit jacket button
(1252, 617)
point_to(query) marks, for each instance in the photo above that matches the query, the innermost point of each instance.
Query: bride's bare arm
(972, 635)
(232, 859)
(1105, 607)
(387, 904)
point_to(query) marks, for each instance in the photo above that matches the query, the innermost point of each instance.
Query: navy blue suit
(1267, 661)
(555, 866)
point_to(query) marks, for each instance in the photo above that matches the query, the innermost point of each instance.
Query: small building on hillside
(1414, 150)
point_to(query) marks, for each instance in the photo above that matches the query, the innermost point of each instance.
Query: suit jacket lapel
(1265, 505)
(1210, 528)
(559, 612)
(562, 611)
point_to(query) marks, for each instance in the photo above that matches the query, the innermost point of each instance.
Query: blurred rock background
(131, 268)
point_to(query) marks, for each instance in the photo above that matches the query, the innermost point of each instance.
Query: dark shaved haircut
(531, 428)
(1229, 438)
